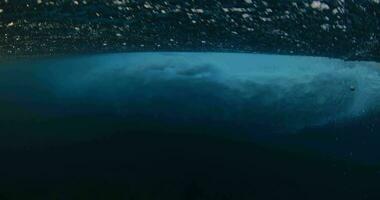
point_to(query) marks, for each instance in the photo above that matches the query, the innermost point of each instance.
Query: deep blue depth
(189, 126)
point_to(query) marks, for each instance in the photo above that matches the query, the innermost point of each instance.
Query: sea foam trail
(259, 93)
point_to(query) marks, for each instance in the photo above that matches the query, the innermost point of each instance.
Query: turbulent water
(134, 100)
(347, 29)
(196, 124)
(261, 94)
(258, 95)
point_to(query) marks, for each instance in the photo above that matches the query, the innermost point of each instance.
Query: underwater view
(190, 99)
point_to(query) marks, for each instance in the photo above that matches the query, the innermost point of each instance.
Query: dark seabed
(190, 126)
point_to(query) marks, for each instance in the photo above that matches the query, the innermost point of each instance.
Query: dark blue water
(189, 126)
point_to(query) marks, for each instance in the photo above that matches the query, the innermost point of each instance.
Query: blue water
(279, 94)
(136, 120)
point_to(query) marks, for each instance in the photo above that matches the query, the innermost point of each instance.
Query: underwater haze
(190, 99)
(185, 125)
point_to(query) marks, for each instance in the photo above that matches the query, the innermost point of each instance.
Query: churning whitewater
(259, 93)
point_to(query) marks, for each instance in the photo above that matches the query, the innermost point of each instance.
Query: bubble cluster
(345, 29)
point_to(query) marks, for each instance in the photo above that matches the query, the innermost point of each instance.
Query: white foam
(297, 91)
